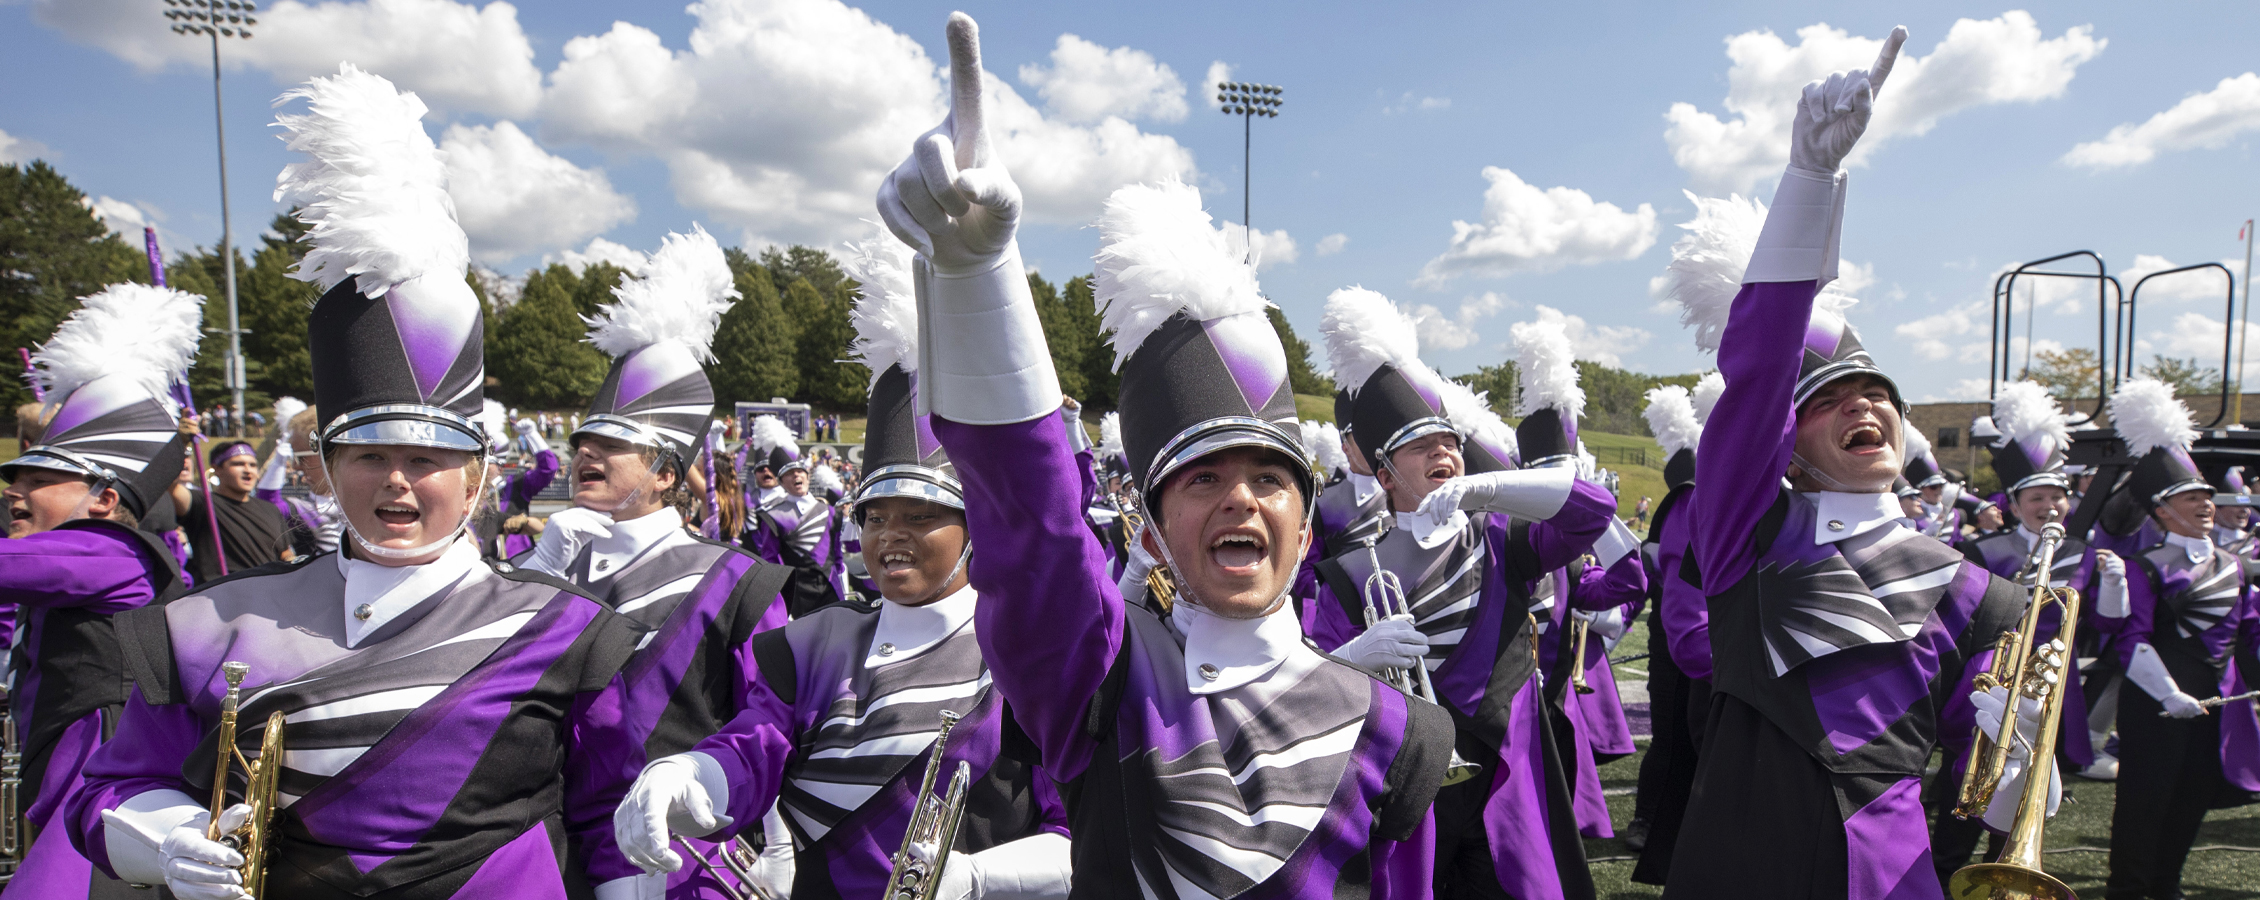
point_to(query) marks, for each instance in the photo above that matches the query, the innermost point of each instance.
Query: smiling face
(1848, 435)
(40, 499)
(910, 546)
(2040, 504)
(399, 497)
(2189, 514)
(1233, 523)
(612, 475)
(1417, 468)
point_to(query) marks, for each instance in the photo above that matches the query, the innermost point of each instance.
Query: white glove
(2111, 590)
(982, 355)
(198, 868)
(2002, 812)
(1833, 113)
(563, 536)
(524, 427)
(676, 795)
(1132, 586)
(1392, 643)
(2148, 672)
(1608, 625)
(774, 868)
(1533, 494)
(278, 467)
(1027, 869)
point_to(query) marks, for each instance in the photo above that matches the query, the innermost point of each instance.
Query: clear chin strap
(1827, 483)
(1185, 588)
(651, 476)
(470, 511)
(962, 556)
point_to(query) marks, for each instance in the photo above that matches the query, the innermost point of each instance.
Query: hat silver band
(47, 456)
(1415, 430)
(912, 481)
(410, 424)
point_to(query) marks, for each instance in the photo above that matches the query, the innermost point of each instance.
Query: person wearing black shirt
(251, 531)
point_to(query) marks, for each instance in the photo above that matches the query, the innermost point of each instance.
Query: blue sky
(766, 119)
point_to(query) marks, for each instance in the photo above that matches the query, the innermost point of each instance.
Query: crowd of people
(1217, 652)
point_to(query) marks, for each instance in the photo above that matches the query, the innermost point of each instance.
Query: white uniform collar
(2198, 549)
(388, 591)
(1222, 654)
(1839, 515)
(907, 631)
(1427, 533)
(1363, 486)
(611, 552)
(767, 494)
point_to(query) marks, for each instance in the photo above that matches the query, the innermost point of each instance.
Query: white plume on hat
(375, 191)
(886, 305)
(1110, 435)
(2026, 412)
(1471, 415)
(768, 433)
(286, 409)
(495, 422)
(1706, 395)
(680, 297)
(1671, 416)
(1363, 332)
(824, 479)
(1159, 256)
(2149, 416)
(1917, 446)
(1328, 446)
(1707, 265)
(145, 333)
(1547, 369)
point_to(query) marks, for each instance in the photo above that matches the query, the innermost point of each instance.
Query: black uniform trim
(1417, 773)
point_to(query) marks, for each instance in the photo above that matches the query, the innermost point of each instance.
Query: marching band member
(432, 700)
(244, 532)
(1466, 565)
(2184, 632)
(1947, 507)
(625, 543)
(1832, 625)
(842, 707)
(75, 558)
(1668, 771)
(792, 526)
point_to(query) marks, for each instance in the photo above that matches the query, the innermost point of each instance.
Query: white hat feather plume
(286, 409)
(1110, 435)
(678, 298)
(886, 305)
(1471, 415)
(495, 422)
(1706, 394)
(1547, 369)
(1916, 446)
(1363, 332)
(375, 190)
(2149, 416)
(146, 333)
(768, 433)
(1707, 265)
(1671, 416)
(1160, 256)
(824, 479)
(2025, 412)
(1329, 448)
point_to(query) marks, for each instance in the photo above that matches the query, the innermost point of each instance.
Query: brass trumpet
(1578, 628)
(1384, 595)
(933, 824)
(261, 776)
(2026, 669)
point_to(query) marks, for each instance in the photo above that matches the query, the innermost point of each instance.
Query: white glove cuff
(709, 773)
(1614, 544)
(1532, 494)
(134, 832)
(983, 358)
(1030, 868)
(634, 887)
(2148, 672)
(1078, 440)
(2111, 595)
(1799, 239)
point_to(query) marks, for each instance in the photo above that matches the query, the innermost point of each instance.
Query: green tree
(797, 262)
(754, 346)
(273, 308)
(1100, 383)
(1305, 379)
(821, 319)
(53, 250)
(1064, 335)
(2188, 376)
(2068, 374)
(1498, 381)
(536, 353)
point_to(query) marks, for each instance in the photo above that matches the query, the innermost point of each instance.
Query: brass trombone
(2026, 669)
(1384, 595)
(261, 777)
(933, 826)
(1578, 628)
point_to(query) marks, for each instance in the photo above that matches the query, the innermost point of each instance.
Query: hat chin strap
(962, 557)
(1828, 482)
(370, 547)
(1185, 587)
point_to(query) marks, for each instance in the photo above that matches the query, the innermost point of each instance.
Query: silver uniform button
(603, 564)
(364, 611)
(1210, 672)
(1836, 525)
(886, 649)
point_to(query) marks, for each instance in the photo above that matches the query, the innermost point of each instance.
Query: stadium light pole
(217, 19)
(1249, 101)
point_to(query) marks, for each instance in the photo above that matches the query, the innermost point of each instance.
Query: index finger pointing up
(1886, 59)
(965, 90)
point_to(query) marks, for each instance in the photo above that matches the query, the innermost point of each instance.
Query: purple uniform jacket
(1147, 766)
(63, 586)
(825, 736)
(2200, 619)
(779, 532)
(698, 603)
(1832, 666)
(1680, 605)
(428, 762)
(1598, 717)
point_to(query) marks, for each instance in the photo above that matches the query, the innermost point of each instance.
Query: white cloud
(2000, 60)
(15, 151)
(123, 217)
(1272, 248)
(2205, 120)
(2194, 336)
(515, 198)
(456, 56)
(1087, 83)
(1218, 74)
(1529, 229)
(1441, 332)
(1411, 102)
(2197, 284)
(782, 116)
(599, 250)
(1332, 244)
(1604, 344)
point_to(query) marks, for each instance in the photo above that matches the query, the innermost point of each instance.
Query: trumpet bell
(1459, 770)
(2003, 881)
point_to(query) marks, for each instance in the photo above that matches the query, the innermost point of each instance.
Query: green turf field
(2074, 840)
